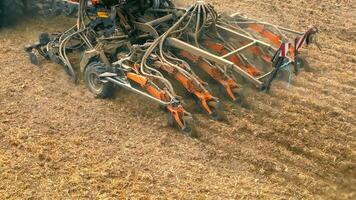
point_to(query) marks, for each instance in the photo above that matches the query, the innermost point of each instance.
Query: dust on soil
(57, 141)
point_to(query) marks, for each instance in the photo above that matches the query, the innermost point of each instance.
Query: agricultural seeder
(154, 49)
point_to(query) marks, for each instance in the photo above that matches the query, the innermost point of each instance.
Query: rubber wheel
(240, 97)
(11, 11)
(69, 10)
(283, 75)
(93, 82)
(190, 129)
(170, 119)
(34, 59)
(217, 111)
(303, 63)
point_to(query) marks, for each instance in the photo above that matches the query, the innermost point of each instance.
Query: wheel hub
(95, 81)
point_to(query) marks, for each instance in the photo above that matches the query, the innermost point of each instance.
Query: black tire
(94, 84)
(190, 129)
(69, 10)
(11, 11)
(240, 97)
(284, 74)
(217, 111)
(170, 120)
(304, 64)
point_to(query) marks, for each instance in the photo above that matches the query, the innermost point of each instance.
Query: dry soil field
(299, 142)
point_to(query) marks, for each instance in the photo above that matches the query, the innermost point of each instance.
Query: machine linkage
(155, 49)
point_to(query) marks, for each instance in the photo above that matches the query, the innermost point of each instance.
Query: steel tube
(160, 20)
(238, 50)
(207, 55)
(242, 35)
(130, 88)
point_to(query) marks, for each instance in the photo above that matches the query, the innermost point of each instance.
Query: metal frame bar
(128, 86)
(258, 42)
(176, 43)
(235, 33)
(160, 20)
(254, 21)
(238, 50)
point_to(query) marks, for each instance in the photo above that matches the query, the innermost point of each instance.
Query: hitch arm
(278, 61)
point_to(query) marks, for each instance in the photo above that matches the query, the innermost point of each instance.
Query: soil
(299, 142)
